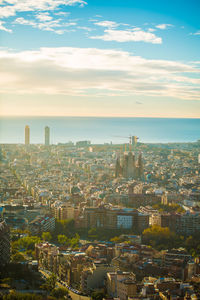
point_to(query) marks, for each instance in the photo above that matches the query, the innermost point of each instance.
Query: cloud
(164, 26)
(138, 102)
(131, 35)
(109, 24)
(46, 23)
(44, 17)
(12, 7)
(90, 71)
(62, 13)
(2, 27)
(197, 33)
(151, 29)
(84, 28)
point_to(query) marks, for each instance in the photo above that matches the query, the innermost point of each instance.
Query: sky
(116, 58)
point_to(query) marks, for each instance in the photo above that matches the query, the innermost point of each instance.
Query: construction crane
(132, 140)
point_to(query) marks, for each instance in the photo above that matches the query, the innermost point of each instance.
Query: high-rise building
(4, 243)
(134, 140)
(117, 168)
(27, 135)
(140, 167)
(47, 135)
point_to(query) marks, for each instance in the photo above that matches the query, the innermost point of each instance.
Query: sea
(99, 130)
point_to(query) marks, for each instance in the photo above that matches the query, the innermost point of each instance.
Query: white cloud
(197, 33)
(80, 71)
(164, 26)
(2, 27)
(131, 35)
(151, 29)
(44, 16)
(109, 24)
(62, 13)
(52, 25)
(84, 28)
(11, 7)
(23, 21)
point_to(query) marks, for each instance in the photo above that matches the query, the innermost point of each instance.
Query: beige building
(27, 135)
(93, 278)
(64, 211)
(121, 284)
(126, 288)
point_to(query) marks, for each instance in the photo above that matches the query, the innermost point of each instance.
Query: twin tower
(46, 135)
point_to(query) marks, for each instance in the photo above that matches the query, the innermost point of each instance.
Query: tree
(26, 243)
(20, 296)
(92, 233)
(116, 239)
(74, 242)
(46, 236)
(63, 240)
(192, 244)
(97, 295)
(18, 257)
(157, 236)
(66, 227)
(50, 283)
(59, 292)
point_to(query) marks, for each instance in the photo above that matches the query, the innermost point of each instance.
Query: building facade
(129, 167)
(47, 136)
(4, 243)
(27, 135)
(42, 224)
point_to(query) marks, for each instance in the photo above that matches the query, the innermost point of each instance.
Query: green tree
(157, 236)
(66, 227)
(46, 236)
(98, 295)
(20, 296)
(92, 233)
(50, 283)
(74, 242)
(18, 257)
(26, 243)
(116, 239)
(63, 240)
(59, 292)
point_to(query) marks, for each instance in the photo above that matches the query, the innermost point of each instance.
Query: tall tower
(140, 166)
(134, 140)
(47, 135)
(117, 168)
(27, 135)
(125, 165)
(131, 165)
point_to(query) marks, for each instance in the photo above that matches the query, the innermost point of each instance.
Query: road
(73, 295)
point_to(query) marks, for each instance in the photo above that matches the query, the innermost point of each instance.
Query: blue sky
(100, 58)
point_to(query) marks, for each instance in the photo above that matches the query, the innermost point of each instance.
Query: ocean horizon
(100, 130)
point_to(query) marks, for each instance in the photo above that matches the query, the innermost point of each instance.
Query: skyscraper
(134, 140)
(27, 135)
(4, 243)
(140, 166)
(47, 135)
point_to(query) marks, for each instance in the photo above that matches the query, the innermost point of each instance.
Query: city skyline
(94, 58)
